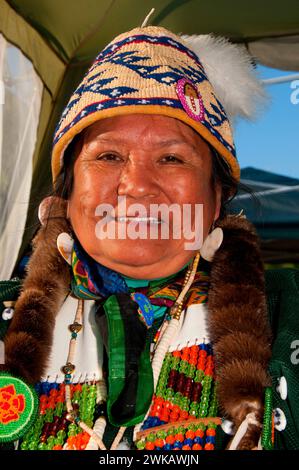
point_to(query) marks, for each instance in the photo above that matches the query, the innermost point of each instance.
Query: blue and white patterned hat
(148, 70)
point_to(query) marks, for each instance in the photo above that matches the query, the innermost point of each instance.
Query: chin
(129, 252)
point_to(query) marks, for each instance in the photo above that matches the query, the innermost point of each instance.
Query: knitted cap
(150, 71)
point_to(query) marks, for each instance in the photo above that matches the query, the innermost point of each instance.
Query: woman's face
(147, 160)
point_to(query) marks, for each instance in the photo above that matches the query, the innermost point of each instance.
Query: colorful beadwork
(192, 435)
(182, 415)
(18, 407)
(267, 439)
(185, 387)
(52, 430)
(191, 99)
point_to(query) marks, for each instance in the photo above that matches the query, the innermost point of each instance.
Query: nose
(138, 181)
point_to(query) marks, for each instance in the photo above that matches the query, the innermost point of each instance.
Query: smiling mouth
(149, 220)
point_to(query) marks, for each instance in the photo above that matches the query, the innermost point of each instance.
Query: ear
(51, 206)
(44, 209)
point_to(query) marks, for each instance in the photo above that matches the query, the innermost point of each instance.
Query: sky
(272, 142)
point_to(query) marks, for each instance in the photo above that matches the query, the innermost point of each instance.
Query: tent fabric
(281, 53)
(274, 210)
(19, 32)
(61, 38)
(19, 117)
(77, 30)
(275, 207)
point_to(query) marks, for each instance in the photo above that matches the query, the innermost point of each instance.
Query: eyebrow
(168, 143)
(163, 143)
(171, 142)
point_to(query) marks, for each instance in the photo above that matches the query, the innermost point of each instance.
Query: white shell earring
(211, 244)
(65, 246)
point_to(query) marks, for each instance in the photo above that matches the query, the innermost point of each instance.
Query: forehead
(154, 129)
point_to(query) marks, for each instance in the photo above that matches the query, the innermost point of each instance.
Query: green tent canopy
(62, 37)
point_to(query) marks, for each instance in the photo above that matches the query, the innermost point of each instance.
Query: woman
(118, 328)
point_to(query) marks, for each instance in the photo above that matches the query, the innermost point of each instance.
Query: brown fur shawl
(238, 321)
(239, 326)
(29, 338)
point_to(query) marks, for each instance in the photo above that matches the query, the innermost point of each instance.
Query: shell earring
(211, 244)
(65, 244)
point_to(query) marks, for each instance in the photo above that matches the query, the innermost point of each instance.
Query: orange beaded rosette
(18, 407)
(11, 404)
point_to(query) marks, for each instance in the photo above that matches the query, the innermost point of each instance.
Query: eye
(108, 157)
(171, 159)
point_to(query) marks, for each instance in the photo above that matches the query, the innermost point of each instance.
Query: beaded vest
(182, 414)
(183, 403)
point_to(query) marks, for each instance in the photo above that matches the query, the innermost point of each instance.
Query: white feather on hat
(230, 70)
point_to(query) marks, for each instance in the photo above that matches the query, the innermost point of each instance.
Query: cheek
(82, 202)
(197, 189)
(91, 188)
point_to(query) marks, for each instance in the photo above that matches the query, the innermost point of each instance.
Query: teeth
(139, 219)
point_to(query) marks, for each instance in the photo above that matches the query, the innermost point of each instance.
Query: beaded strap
(267, 439)
(192, 435)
